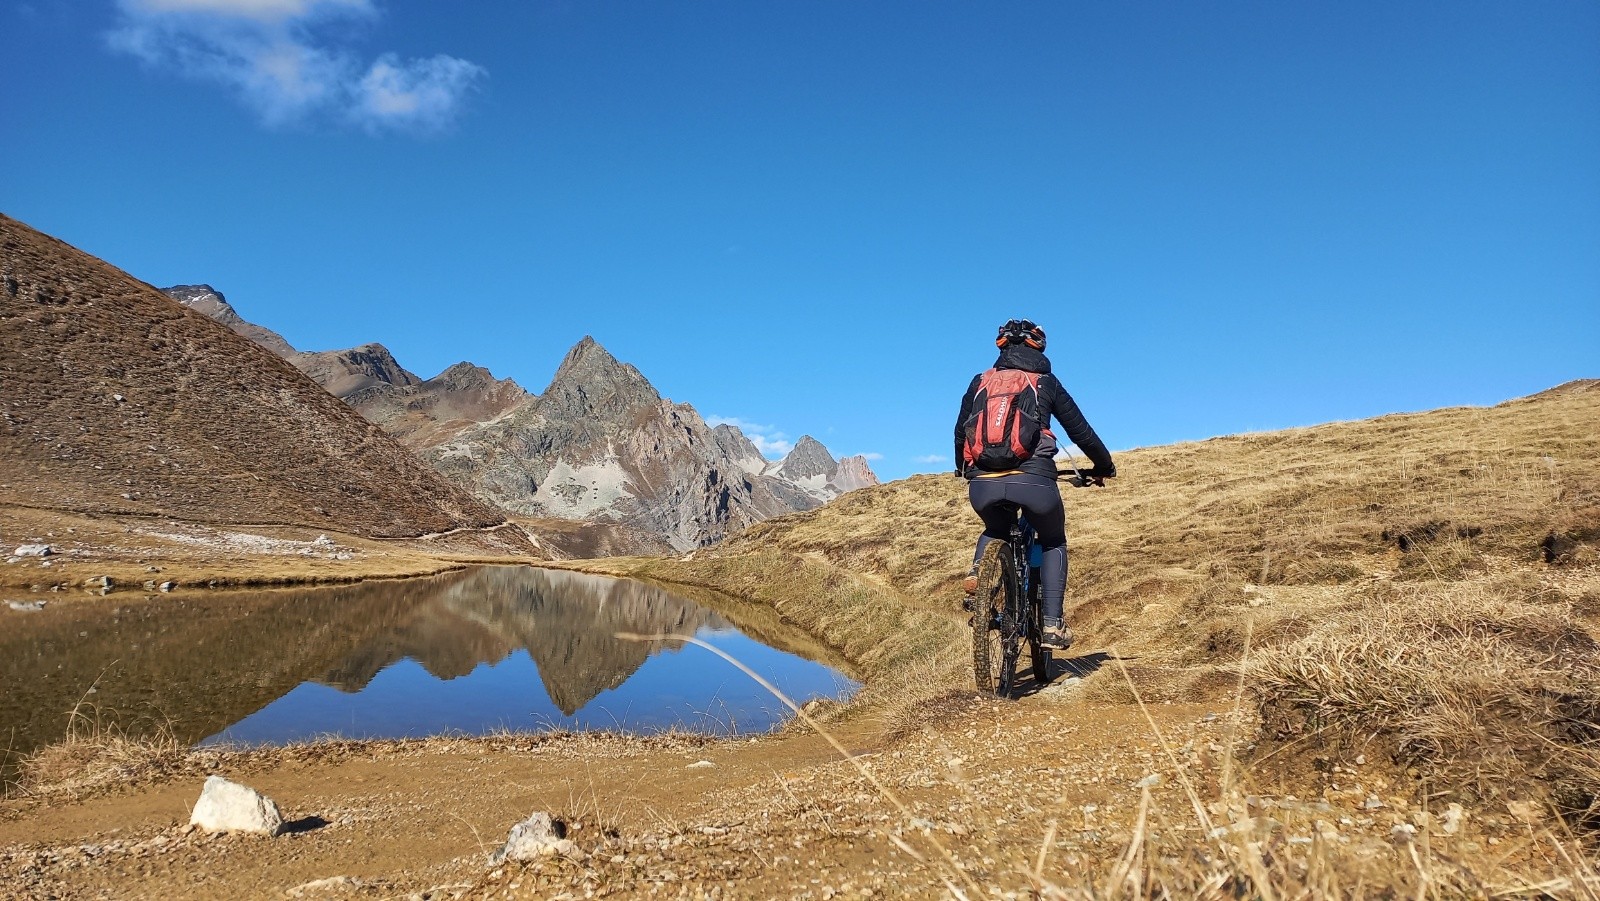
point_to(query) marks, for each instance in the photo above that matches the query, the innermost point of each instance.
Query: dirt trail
(779, 817)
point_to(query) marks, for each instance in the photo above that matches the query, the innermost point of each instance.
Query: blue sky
(812, 215)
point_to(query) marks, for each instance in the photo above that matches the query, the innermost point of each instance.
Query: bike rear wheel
(1040, 655)
(996, 631)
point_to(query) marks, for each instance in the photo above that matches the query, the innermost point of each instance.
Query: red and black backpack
(1003, 428)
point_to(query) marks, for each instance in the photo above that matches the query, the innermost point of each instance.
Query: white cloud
(772, 442)
(931, 458)
(423, 94)
(871, 455)
(269, 54)
(266, 10)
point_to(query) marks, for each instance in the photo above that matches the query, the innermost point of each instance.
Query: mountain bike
(1007, 611)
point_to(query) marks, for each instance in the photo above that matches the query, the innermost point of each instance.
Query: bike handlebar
(1079, 479)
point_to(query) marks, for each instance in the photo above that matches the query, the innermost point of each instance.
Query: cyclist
(1029, 482)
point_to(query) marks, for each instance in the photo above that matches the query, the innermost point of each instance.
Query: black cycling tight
(996, 500)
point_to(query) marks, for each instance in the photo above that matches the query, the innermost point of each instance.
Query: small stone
(317, 886)
(99, 583)
(25, 606)
(1361, 760)
(1524, 811)
(152, 569)
(537, 836)
(149, 585)
(118, 398)
(323, 541)
(1373, 802)
(167, 586)
(1450, 823)
(230, 807)
(700, 765)
(1403, 831)
(33, 550)
(1150, 781)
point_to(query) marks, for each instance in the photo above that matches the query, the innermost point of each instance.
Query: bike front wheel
(996, 634)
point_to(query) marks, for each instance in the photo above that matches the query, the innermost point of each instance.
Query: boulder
(33, 550)
(230, 807)
(537, 836)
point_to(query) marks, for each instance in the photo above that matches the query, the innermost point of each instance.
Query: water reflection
(493, 647)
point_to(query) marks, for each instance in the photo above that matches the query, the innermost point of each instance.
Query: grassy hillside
(118, 400)
(1420, 586)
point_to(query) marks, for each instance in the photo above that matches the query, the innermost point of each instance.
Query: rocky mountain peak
(345, 372)
(466, 376)
(739, 448)
(808, 459)
(590, 380)
(208, 301)
(853, 472)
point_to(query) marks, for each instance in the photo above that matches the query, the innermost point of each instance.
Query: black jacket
(1053, 401)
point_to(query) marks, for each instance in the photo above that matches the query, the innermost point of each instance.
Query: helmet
(1020, 331)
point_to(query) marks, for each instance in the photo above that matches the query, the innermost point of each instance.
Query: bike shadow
(1063, 668)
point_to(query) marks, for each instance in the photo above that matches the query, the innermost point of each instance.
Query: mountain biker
(1030, 484)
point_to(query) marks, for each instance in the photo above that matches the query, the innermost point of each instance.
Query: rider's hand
(1097, 476)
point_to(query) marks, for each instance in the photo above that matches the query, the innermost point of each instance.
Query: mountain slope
(119, 400)
(419, 412)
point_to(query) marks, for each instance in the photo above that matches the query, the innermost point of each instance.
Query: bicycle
(1007, 610)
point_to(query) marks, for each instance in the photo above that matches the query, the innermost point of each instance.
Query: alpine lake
(489, 649)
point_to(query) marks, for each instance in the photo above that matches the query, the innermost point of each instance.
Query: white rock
(230, 807)
(33, 550)
(1150, 781)
(25, 606)
(533, 838)
(318, 886)
(323, 541)
(700, 765)
(1450, 823)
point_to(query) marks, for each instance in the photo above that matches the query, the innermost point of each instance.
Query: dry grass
(1277, 528)
(1496, 696)
(97, 753)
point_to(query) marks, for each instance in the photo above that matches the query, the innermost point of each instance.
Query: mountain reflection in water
(381, 658)
(566, 621)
